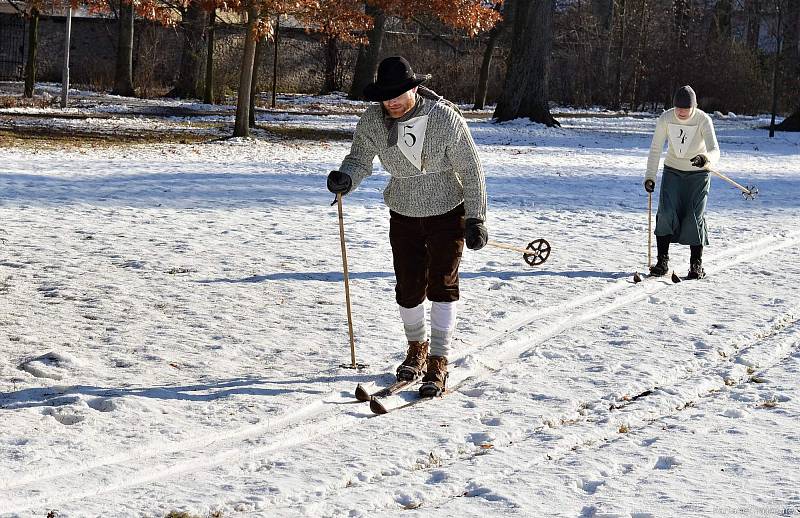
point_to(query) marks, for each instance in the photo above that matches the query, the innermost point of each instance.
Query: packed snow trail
(331, 414)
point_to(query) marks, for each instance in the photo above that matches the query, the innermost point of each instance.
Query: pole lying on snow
(749, 192)
(353, 364)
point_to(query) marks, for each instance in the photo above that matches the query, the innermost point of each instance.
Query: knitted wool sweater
(687, 139)
(448, 170)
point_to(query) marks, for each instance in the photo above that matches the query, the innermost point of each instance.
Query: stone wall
(157, 54)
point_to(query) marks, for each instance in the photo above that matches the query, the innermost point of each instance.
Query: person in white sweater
(437, 200)
(691, 149)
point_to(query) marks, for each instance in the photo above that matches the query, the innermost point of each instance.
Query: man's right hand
(339, 182)
(649, 185)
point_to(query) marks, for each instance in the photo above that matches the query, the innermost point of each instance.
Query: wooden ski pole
(353, 364)
(510, 247)
(751, 192)
(535, 254)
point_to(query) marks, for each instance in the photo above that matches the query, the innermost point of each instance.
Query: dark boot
(661, 267)
(435, 380)
(696, 269)
(415, 363)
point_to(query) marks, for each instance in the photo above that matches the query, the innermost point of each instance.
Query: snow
(173, 324)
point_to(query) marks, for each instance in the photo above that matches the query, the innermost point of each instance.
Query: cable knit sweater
(687, 139)
(451, 171)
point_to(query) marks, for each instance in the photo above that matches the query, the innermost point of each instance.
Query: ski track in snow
(179, 250)
(313, 420)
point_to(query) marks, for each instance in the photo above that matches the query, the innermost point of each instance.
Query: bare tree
(208, 90)
(752, 10)
(604, 12)
(792, 44)
(260, 45)
(369, 53)
(194, 19)
(331, 83)
(33, 44)
(525, 93)
(242, 124)
(494, 35)
(721, 25)
(123, 77)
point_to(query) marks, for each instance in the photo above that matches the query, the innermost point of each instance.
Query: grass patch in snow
(64, 138)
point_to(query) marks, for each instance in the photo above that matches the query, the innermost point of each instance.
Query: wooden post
(65, 73)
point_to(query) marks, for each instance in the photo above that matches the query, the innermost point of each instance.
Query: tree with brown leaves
(471, 16)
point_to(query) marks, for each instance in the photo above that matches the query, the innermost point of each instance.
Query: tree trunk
(123, 78)
(680, 20)
(642, 43)
(483, 79)
(525, 93)
(776, 69)
(753, 12)
(208, 91)
(192, 27)
(65, 73)
(623, 28)
(368, 55)
(791, 123)
(604, 12)
(33, 44)
(721, 26)
(262, 42)
(331, 63)
(242, 127)
(276, 44)
(791, 46)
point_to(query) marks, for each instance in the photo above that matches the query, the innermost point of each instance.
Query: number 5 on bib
(412, 139)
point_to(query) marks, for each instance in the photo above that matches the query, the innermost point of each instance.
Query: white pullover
(686, 139)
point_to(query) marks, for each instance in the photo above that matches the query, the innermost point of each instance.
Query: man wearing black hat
(691, 149)
(437, 201)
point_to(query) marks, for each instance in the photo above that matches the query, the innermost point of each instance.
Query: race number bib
(411, 139)
(680, 138)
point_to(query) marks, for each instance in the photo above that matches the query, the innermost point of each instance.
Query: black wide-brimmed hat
(394, 77)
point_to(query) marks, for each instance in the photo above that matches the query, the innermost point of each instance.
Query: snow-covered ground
(173, 323)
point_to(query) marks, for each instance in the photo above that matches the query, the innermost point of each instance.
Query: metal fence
(12, 47)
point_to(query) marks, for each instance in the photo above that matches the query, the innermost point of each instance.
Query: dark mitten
(475, 234)
(699, 161)
(649, 185)
(339, 182)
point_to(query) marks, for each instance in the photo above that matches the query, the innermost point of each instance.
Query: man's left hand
(475, 234)
(699, 161)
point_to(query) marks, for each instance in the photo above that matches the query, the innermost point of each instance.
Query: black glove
(649, 185)
(475, 234)
(699, 161)
(339, 182)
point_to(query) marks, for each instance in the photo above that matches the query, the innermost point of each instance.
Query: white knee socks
(443, 323)
(414, 323)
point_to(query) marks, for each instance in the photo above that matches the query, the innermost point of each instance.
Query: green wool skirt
(682, 206)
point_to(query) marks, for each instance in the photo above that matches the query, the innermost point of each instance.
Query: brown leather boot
(435, 380)
(415, 363)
